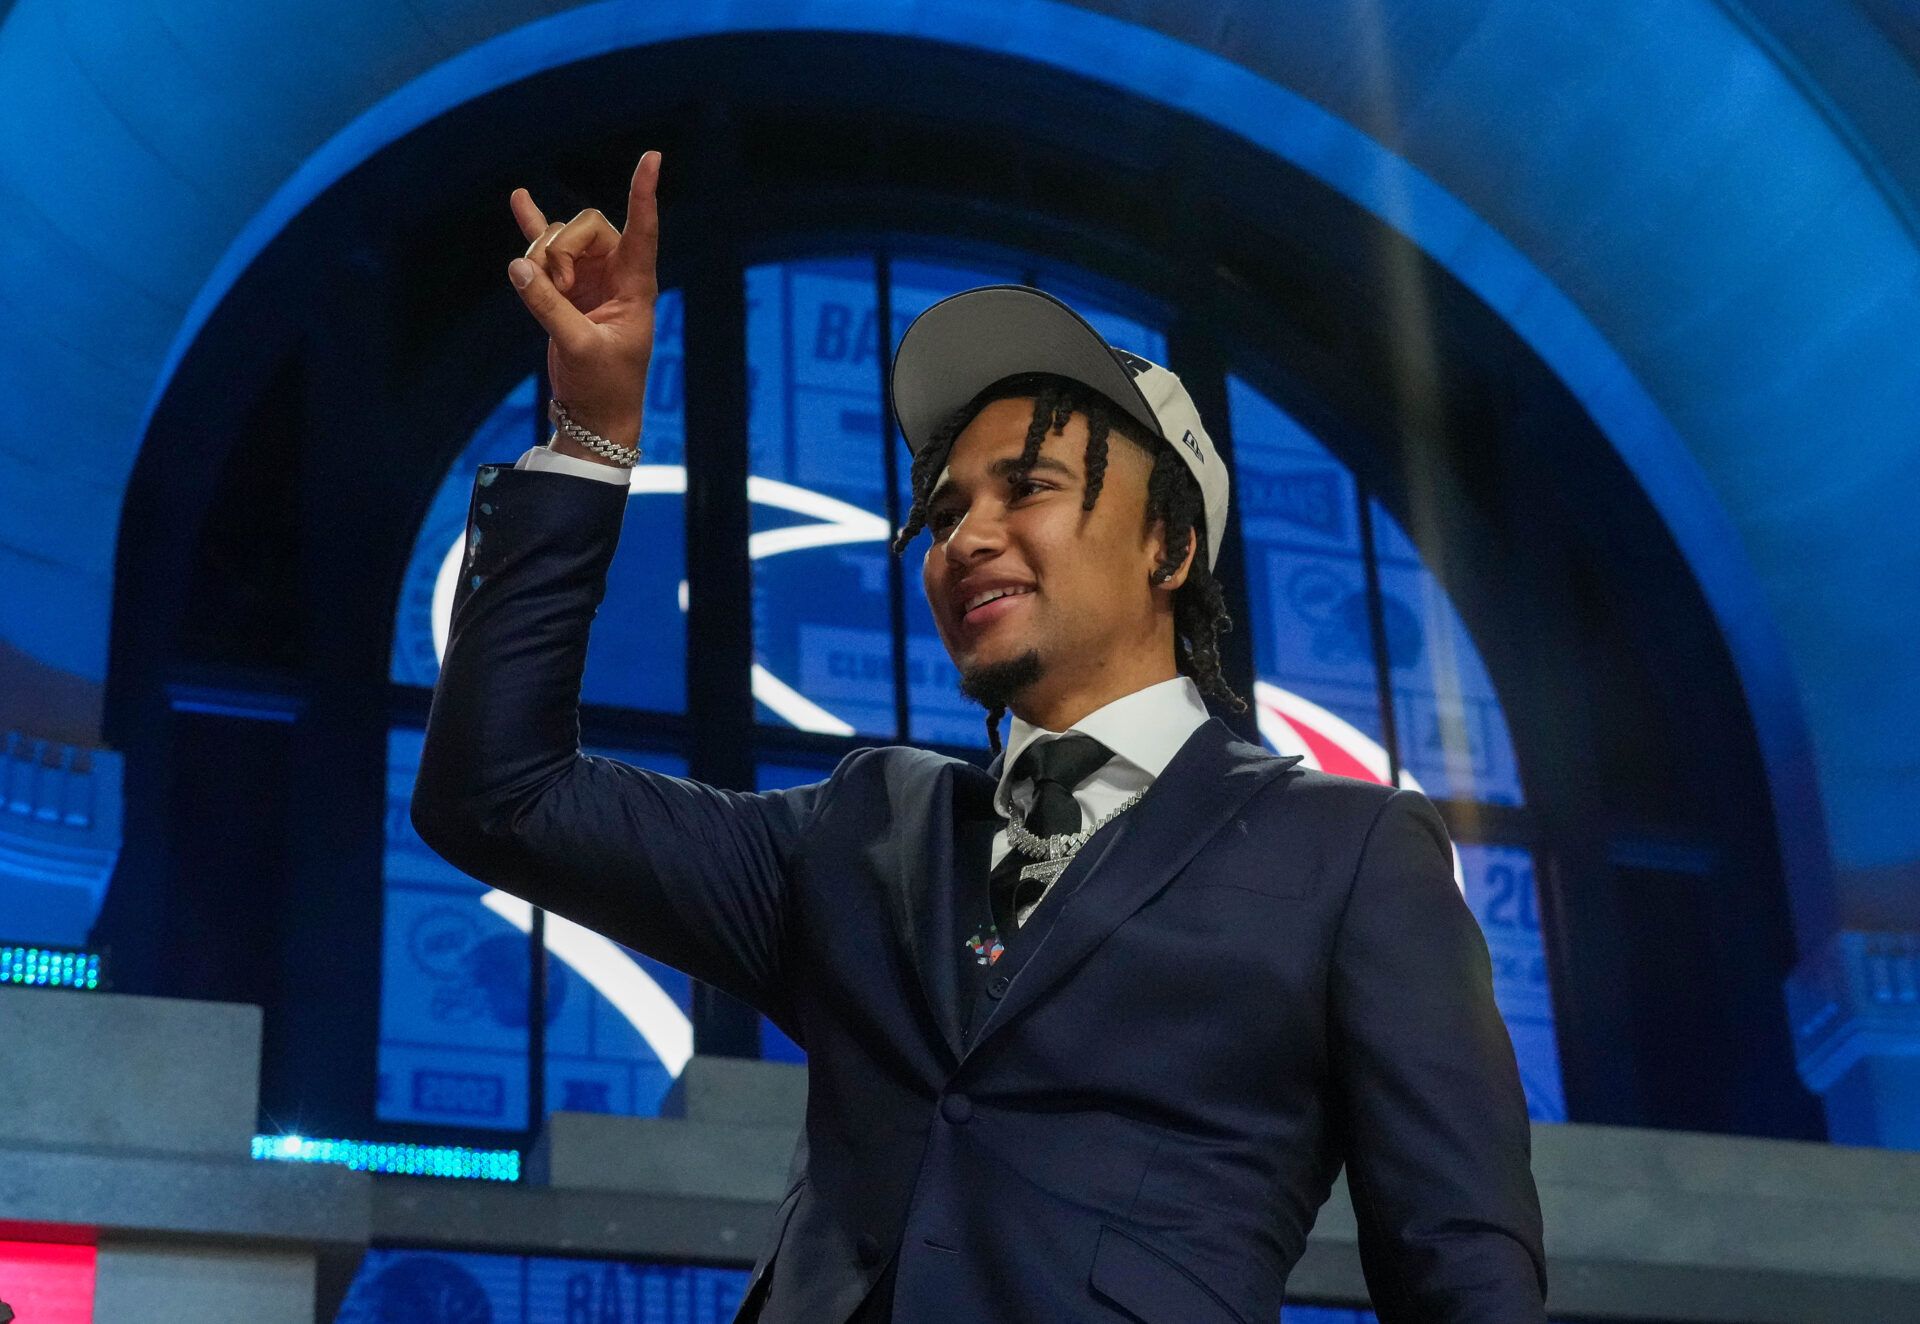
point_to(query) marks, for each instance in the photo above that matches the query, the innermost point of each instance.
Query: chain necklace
(1054, 853)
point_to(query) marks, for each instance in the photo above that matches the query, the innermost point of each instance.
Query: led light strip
(45, 967)
(403, 1159)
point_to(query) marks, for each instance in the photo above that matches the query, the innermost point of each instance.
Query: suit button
(956, 1108)
(867, 1247)
(999, 986)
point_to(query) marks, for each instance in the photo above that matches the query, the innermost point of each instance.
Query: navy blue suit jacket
(1256, 974)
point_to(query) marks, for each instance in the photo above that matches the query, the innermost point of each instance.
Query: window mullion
(720, 711)
(891, 445)
(1377, 627)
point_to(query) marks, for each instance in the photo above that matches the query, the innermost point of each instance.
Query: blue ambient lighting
(45, 967)
(403, 1159)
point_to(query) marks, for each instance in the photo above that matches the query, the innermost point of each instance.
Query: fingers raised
(639, 248)
(528, 217)
(590, 234)
(568, 326)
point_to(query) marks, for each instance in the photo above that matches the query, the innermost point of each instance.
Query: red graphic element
(46, 1282)
(1330, 756)
(1293, 724)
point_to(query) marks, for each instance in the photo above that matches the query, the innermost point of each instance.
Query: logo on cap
(1135, 364)
(1193, 446)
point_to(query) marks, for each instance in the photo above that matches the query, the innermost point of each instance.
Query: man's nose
(977, 533)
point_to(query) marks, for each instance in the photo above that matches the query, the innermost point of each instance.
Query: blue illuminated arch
(1230, 94)
(1152, 65)
(1729, 351)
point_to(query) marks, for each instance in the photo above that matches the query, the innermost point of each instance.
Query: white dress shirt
(1144, 729)
(539, 457)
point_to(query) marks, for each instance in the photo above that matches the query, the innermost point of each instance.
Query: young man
(1091, 1032)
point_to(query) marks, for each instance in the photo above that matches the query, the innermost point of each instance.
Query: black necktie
(1056, 766)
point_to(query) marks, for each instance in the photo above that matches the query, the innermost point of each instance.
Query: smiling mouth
(992, 604)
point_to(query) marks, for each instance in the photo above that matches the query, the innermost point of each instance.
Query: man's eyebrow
(1005, 467)
(1007, 464)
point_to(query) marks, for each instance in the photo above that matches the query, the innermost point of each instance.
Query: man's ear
(1159, 545)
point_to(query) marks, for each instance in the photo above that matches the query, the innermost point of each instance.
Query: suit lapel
(1127, 862)
(943, 841)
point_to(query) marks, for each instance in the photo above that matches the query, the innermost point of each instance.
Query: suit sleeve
(692, 875)
(1438, 1143)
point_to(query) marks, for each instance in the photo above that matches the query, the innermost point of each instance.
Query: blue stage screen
(637, 655)
(1306, 578)
(1318, 688)
(1453, 735)
(823, 645)
(454, 993)
(452, 1051)
(399, 1286)
(1500, 889)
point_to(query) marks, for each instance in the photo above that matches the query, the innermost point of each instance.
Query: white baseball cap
(970, 340)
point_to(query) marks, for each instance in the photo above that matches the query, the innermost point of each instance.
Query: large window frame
(237, 576)
(724, 740)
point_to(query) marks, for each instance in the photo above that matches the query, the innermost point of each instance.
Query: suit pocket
(1234, 860)
(1151, 1287)
(1280, 889)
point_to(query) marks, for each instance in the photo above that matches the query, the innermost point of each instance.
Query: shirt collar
(1146, 728)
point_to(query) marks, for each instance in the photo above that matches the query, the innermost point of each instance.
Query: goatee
(998, 684)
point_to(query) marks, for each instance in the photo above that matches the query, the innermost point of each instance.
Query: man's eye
(939, 519)
(1022, 486)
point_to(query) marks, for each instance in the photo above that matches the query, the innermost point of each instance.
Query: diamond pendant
(1045, 871)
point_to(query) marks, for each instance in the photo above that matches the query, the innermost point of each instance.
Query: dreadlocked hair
(1199, 608)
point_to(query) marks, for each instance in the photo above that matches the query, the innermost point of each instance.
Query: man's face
(1073, 584)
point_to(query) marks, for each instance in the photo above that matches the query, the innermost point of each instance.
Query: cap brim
(969, 340)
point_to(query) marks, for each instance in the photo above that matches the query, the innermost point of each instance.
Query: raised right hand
(593, 289)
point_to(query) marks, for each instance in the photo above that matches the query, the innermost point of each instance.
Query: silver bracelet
(624, 456)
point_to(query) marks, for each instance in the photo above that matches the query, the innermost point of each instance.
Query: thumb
(568, 326)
